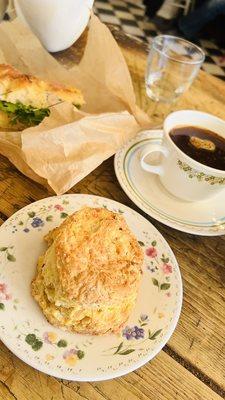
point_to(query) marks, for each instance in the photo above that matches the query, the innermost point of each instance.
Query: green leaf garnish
(23, 114)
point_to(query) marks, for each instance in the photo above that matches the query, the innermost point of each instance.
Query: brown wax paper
(70, 143)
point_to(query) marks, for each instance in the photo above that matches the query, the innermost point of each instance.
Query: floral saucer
(205, 218)
(26, 332)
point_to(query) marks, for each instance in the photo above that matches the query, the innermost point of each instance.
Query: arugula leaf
(21, 113)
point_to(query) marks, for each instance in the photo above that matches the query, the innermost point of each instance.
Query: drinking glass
(173, 64)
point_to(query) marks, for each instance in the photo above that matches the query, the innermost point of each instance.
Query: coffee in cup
(192, 155)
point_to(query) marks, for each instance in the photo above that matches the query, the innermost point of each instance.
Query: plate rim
(121, 175)
(144, 360)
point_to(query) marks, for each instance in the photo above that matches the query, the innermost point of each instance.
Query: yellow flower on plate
(71, 360)
(50, 337)
(49, 357)
(71, 357)
(161, 315)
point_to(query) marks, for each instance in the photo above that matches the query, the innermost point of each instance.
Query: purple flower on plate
(129, 333)
(139, 333)
(50, 337)
(68, 353)
(26, 230)
(144, 317)
(151, 269)
(72, 356)
(133, 333)
(37, 222)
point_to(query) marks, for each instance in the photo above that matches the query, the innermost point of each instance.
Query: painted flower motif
(151, 269)
(128, 333)
(140, 333)
(151, 252)
(167, 269)
(50, 337)
(2, 296)
(37, 222)
(3, 288)
(144, 317)
(70, 357)
(133, 333)
(49, 357)
(3, 292)
(58, 207)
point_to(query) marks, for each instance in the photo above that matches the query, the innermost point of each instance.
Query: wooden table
(192, 365)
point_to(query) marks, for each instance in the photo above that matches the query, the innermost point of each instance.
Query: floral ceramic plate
(146, 191)
(26, 332)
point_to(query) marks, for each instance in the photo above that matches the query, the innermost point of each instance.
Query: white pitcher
(57, 23)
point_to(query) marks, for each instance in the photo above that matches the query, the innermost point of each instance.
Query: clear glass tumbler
(173, 64)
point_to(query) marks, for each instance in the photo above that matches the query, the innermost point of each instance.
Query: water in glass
(173, 63)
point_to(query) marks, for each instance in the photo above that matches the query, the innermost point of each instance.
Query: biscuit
(88, 279)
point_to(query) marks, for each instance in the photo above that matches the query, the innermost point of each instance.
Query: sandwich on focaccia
(25, 100)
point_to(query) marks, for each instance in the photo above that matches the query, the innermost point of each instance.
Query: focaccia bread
(25, 99)
(88, 279)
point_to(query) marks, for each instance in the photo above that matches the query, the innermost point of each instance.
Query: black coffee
(202, 145)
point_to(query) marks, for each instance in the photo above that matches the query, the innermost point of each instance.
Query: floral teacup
(180, 174)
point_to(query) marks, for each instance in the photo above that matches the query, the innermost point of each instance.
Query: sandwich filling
(26, 100)
(19, 113)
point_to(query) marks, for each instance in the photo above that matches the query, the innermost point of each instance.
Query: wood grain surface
(192, 365)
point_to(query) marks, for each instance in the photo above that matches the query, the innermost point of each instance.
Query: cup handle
(152, 148)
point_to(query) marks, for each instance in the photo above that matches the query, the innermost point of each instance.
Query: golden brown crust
(98, 258)
(88, 278)
(33, 91)
(84, 320)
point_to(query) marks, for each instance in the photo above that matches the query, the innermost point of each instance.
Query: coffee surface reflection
(201, 145)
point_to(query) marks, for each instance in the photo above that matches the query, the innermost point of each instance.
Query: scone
(88, 279)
